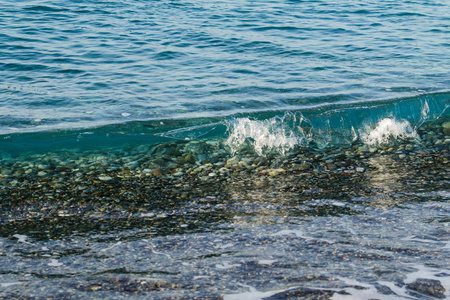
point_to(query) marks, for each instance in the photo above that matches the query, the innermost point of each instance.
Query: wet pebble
(446, 128)
(156, 172)
(430, 287)
(190, 159)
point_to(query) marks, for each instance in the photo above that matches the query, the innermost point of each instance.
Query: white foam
(224, 246)
(55, 263)
(277, 133)
(266, 261)
(253, 294)
(160, 253)
(401, 291)
(8, 284)
(21, 238)
(110, 247)
(297, 233)
(250, 295)
(226, 265)
(368, 292)
(447, 246)
(387, 129)
(414, 239)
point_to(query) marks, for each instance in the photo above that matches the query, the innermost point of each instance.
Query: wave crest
(387, 129)
(279, 133)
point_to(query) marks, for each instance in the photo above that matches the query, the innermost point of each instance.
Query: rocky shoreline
(146, 176)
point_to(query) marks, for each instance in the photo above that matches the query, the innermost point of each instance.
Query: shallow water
(359, 222)
(226, 150)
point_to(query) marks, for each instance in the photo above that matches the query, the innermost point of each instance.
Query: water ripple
(135, 55)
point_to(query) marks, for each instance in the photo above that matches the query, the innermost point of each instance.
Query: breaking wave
(265, 132)
(279, 133)
(372, 124)
(386, 130)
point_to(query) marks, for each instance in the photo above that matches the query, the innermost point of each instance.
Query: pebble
(172, 165)
(430, 287)
(233, 161)
(132, 164)
(42, 173)
(7, 172)
(156, 172)
(276, 172)
(105, 178)
(360, 169)
(146, 171)
(190, 159)
(373, 149)
(302, 167)
(446, 128)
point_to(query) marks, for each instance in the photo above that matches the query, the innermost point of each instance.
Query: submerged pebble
(198, 162)
(446, 128)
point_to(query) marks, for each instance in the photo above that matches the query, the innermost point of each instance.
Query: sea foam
(386, 130)
(280, 133)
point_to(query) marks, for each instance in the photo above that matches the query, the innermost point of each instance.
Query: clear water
(224, 149)
(72, 64)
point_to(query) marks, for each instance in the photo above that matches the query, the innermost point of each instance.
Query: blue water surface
(80, 64)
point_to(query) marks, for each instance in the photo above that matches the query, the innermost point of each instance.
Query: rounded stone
(302, 167)
(205, 178)
(6, 172)
(190, 159)
(276, 172)
(233, 161)
(156, 172)
(446, 128)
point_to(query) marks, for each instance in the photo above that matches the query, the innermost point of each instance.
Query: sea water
(225, 150)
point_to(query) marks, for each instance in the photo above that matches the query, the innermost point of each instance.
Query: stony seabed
(191, 220)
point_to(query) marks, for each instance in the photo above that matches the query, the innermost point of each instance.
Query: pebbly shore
(182, 218)
(148, 177)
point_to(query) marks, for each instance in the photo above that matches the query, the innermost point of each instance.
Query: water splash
(386, 130)
(279, 133)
